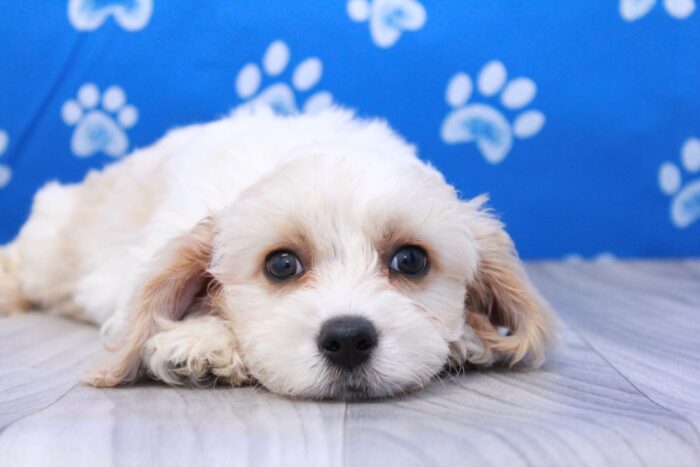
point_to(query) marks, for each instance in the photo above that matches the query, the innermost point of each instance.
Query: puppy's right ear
(502, 296)
(176, 283)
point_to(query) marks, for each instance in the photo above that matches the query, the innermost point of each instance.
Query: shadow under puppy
(315, 254)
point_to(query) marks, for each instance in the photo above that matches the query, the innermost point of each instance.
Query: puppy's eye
(411, 260)
(283, 265)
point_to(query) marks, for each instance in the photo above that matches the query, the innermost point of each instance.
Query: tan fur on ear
(169, 291)
(501, 295)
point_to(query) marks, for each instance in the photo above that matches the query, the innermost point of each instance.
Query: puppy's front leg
(198, 351)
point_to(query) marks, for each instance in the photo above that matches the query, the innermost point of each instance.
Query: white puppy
(315, 254)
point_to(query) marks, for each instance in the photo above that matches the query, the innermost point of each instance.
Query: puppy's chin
(326, 381)
(363, 384)
(359, 384)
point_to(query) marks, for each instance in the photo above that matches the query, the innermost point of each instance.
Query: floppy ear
(502, 296)
(178, 283)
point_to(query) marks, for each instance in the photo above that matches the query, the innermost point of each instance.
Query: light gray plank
(154, 425)
(41, 357)
(577, 410)
(642, 317)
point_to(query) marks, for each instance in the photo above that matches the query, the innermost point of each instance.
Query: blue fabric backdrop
(580, 118)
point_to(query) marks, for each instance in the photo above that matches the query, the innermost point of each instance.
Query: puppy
(313, 254)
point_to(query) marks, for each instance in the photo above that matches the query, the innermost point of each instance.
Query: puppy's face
(349, 276)
(345, 277)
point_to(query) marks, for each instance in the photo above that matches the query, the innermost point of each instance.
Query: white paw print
(5, 171)
(281, 97)
(87, 15)
(685, 204)
(99, 129)
(484, 124)
(388, 19)
(632, 10)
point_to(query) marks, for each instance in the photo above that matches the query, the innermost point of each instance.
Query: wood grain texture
(622, 390)
(641, 317)
(577, 410)
(41, 358)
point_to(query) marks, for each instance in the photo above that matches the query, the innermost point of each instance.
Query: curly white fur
(195, 351)
(166, 249)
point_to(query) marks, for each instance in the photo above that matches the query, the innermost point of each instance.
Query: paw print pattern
(5, 171)
(485, 124)
(685, 203)
(632, 10)
(280, 96)
(99, 129)
(131, 15)
(388, 19)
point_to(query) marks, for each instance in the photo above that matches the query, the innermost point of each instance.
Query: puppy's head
(348, 275)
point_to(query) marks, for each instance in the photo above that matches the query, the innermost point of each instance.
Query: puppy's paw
(197, 352)
(469, 349)
(101, 378)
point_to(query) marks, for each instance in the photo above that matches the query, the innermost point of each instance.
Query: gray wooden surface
(623, 389)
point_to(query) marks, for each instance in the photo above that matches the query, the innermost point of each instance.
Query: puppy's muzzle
(347, 341)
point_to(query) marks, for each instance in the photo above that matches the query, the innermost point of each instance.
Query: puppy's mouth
(350, 385)
(358, 384)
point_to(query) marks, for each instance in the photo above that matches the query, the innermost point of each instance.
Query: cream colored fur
(165, 250)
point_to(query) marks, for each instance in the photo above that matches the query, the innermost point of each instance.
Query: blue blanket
(580, 118)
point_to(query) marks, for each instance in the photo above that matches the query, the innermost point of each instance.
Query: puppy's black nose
(347, 341)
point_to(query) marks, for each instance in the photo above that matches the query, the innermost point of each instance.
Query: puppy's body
(166, 248)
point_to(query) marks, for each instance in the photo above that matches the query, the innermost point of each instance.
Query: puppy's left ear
(178, 283)
(503, 308)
